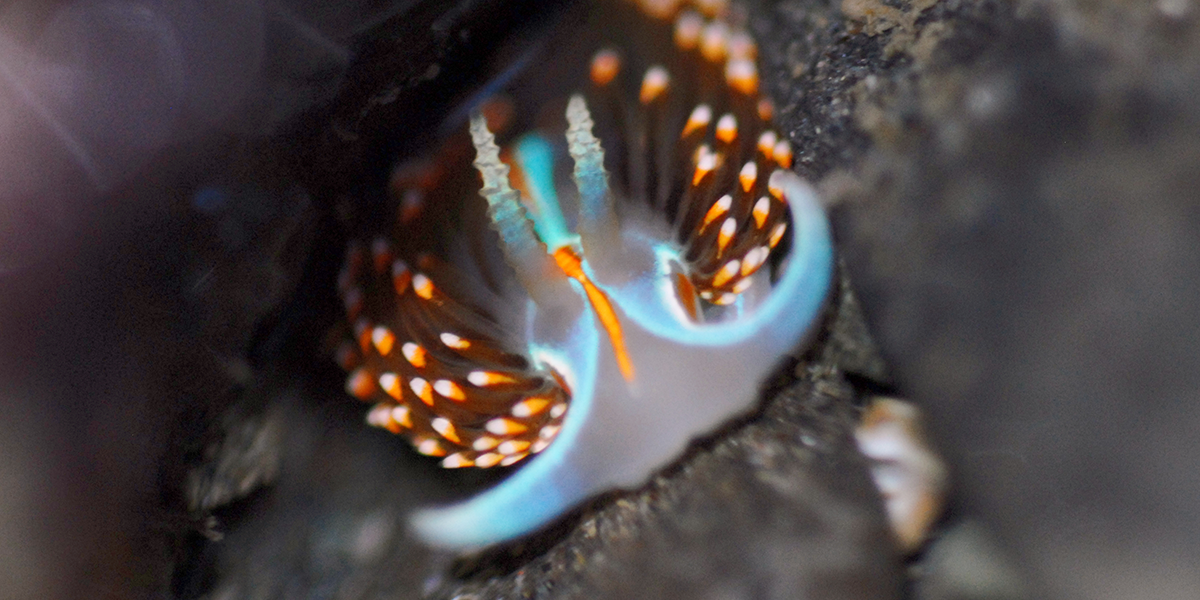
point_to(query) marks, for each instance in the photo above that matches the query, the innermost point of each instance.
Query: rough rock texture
(1025, 246)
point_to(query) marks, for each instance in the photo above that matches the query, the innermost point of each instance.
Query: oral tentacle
(524, 250)
(599, 229)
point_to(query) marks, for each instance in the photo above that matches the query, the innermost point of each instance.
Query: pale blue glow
(544, 488)
(535, 156)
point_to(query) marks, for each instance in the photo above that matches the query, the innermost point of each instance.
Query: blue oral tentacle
(536, 159)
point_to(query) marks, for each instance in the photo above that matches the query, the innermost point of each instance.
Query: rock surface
(1026, 251)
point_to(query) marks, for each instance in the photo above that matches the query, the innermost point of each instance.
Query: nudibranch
(616, 293)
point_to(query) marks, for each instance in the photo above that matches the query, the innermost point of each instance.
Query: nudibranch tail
(650, 302)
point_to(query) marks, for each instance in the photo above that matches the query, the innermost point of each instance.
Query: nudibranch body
(638, 304)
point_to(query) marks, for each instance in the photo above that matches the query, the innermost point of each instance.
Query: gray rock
(1025, 248)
